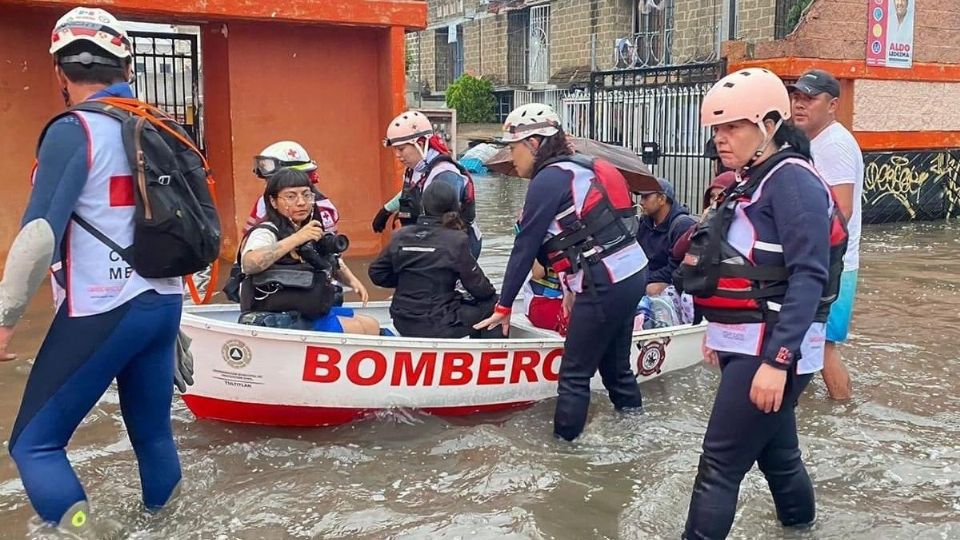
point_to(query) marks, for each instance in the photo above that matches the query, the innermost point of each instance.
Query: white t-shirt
(259, 239)
(838, 159)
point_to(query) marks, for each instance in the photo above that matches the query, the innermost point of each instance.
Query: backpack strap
(87, 106)
(124, 253)
(578, 158)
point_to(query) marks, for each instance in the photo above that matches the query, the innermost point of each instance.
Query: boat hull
(293, 378)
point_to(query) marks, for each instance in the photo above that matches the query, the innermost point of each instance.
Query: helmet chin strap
(533, 150)
(767, 137)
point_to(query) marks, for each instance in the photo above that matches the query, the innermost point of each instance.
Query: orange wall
(331, 88)
(28, 98)
(325, 88)
(404, 13)
(218, 129)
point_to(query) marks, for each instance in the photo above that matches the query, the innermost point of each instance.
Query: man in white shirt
(837, 157)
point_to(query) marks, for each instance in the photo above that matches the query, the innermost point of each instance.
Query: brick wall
(573, 22)
(492, 61)
(906, 106)
(426, 56)
(471, 47)
(695, 29)
(755, 19)
(837, 28)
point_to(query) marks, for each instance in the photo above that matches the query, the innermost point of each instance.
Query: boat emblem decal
(652, 355)
(236, 353)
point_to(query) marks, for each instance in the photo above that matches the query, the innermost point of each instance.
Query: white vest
(96, 279)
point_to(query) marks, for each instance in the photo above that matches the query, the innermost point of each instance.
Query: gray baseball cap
(816, 82)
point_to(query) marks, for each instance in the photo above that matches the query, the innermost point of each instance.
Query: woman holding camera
(290, 263)
(424, 261)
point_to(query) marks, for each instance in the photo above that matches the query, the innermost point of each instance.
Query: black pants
(739, 435)
(599, 337)
(468, 313)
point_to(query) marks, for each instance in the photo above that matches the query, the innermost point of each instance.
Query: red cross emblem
(292, 153)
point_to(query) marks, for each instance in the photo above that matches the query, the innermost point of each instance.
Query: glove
(380, 221)
(183, 374)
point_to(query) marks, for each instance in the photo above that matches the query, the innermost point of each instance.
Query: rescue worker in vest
(426, 158)
(110, 323)
(759, 269)
(290, 239)
(424, 262)
(578, 217)
(292, 155)
(662, 223)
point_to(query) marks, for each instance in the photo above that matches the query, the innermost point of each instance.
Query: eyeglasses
(292, 198)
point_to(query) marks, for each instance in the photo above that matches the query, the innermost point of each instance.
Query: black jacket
(423, 263)
(658, 240)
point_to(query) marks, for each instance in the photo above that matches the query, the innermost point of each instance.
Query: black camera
(319, 253)
(333, 244)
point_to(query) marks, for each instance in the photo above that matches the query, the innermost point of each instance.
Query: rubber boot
(78, 523)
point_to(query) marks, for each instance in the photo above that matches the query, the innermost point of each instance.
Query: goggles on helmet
(266, 166)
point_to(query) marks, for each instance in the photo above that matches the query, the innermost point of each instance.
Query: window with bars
(539, 44)
(448, 58)
(788, 16)
(518, 39)
(654, 27)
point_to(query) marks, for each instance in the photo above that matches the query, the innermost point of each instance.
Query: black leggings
(599, 337)
(739, 435)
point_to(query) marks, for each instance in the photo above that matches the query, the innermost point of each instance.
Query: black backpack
(176, 226)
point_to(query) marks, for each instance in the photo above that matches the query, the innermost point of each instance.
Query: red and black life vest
(727, 286)
(598, 223)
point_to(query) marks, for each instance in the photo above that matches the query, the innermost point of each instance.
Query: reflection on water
(886, 465)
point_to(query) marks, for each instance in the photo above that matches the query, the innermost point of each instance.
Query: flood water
(886, 465)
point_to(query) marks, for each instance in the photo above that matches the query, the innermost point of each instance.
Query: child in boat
(423, 263)
(543, 299)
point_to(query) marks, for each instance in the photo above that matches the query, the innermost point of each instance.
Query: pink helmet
(407, 128)
(748, 94)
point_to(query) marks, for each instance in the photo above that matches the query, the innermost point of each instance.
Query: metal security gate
(656, 113)
(167, 75)
(540, 44)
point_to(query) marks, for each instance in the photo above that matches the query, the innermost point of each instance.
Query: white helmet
(407, 128)
(282, 154)
(96, 26)
(529, 120)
